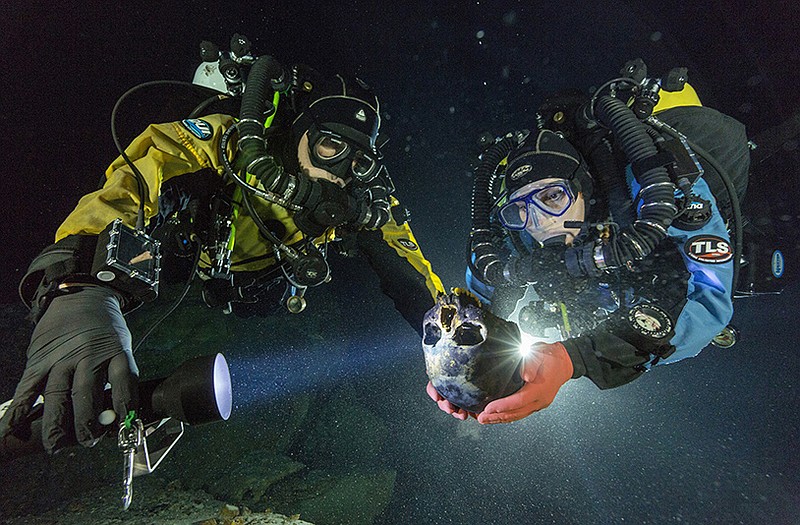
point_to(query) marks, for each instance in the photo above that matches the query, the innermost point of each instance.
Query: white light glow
(222, 387)
(527, 341)
(526, 345)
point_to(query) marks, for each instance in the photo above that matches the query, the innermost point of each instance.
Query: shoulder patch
(777, 264)
(198, 127)
(709, 249)
(408, 244)
(650, 321)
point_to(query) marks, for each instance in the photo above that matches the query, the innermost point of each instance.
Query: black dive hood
(349, 109)
(636, 241)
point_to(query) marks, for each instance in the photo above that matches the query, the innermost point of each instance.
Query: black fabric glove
(330, 205)
(80, 343)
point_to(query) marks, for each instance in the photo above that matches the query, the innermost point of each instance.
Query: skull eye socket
(432, 334)
(468, 334)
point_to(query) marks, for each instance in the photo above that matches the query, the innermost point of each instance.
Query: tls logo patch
(407, 244)
(198, 127)
(709, 249)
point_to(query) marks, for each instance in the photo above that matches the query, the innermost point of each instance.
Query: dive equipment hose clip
(140, 456)
(129, 440)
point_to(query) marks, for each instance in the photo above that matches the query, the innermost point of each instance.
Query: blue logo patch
(198, 127)
(777, 264)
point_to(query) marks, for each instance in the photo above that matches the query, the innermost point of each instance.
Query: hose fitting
(637, 240)
(486, 264)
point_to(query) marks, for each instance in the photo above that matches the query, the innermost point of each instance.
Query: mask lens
(364, 167)
(514, 215)
(329, 148)
(552, 199)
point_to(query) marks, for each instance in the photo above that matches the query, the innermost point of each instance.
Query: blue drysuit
(669, 309)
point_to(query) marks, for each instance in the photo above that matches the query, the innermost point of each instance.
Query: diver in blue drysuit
(613, 325)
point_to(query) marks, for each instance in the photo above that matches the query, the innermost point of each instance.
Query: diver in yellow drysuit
(263, 199)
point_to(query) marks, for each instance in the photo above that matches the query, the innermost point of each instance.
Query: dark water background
(713, 439)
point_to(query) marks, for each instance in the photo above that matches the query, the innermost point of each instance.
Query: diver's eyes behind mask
(329, 148)
(333, 153)
(552, 199)
(365, 167)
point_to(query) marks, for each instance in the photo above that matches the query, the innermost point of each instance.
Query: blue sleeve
(479, 288)
(708, 255)
(709, 305)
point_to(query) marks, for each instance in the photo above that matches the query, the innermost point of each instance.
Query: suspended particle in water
(754, 81)
(510, 18)
(655, 36)
(480, 34)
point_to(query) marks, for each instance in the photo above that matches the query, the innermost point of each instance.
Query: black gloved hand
(80, 343)
(330, 205)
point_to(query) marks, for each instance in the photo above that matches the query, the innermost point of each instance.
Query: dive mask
(334, 153)
(551, 199)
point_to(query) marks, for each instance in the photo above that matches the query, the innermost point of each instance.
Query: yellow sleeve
(402, 241)
(161, 152)
(405, 274)
(673, 99)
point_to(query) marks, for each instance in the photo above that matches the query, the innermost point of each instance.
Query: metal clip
(129, 439)
(296, 303)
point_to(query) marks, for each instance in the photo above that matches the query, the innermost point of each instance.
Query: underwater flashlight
(198, 391)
